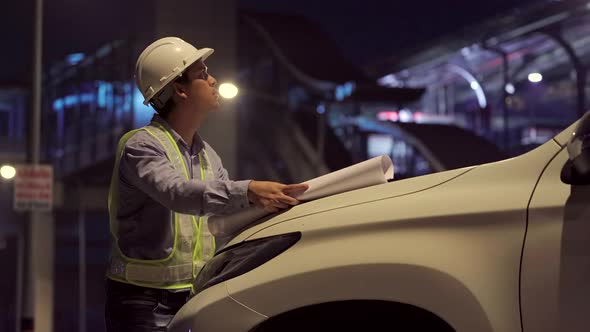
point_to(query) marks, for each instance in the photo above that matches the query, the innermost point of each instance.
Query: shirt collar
(198, 143)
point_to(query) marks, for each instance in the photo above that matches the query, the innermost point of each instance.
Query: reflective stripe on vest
(193, 242)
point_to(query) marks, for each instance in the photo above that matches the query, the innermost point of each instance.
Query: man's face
(201, 88)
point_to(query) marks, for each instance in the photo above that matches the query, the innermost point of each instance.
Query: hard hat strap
(160, 100)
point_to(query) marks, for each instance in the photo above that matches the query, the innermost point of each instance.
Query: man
(165, 183)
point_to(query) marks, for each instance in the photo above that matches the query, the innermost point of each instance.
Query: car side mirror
(578, 147)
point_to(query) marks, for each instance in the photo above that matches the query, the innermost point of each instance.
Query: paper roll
(368, 173)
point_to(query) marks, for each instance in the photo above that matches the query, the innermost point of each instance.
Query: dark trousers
(132, 308)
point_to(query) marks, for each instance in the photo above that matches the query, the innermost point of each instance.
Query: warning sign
(33, 188)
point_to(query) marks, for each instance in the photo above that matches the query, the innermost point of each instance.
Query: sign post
(33, 188)
(33, 192)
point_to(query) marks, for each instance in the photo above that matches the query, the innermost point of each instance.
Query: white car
(501, 247)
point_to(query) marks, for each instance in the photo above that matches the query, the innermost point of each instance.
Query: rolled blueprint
(368, 173)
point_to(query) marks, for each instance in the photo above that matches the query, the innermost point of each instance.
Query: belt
(162, 295)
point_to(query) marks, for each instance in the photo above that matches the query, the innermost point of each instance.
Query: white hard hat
(161, 63)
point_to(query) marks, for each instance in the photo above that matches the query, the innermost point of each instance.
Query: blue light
(104, 51)
(126, 100)
(340, 93)
(142, 114)
(105, 94)
(128, 95)
(86, 98)
(71, 100)
(75, 58)
(101, 95)
(321, 109)
(58, 104)
(349, 88)
(345, 90)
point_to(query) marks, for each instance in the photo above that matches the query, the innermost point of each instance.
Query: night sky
(365, 31)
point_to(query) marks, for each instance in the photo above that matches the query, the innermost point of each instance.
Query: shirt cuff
(239, 194)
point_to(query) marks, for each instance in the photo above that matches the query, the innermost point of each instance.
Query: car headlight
(241, 258)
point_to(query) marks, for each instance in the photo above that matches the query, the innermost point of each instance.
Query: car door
(555, 270)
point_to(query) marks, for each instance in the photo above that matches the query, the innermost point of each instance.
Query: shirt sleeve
(144, 165)
(240, 187)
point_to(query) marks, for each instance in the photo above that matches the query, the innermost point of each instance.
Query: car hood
(359, 196)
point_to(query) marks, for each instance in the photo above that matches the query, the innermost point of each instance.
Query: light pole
(39, 297)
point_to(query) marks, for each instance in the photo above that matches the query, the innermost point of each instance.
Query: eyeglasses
(202, 74)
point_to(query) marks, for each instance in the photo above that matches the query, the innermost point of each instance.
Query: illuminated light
(104, 51)
(104, 94)
(405, 116)
(418, 116)
(349, 88)
(383, 116)
(388, 116)
(344, 90)
(7, 172)
(340, 93)
(58, 105)
(228, 90)
(178, 49)
(127, 97)
(71, 100)
(321, 109)
(142, 114)
(86, 98)
(393, 116)
(474, 85)
(481, 97)
(75, 58)
(388, 80)
(510, 89)
(535, 77)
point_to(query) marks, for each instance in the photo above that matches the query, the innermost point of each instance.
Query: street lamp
(510, 89)
(7, 172)
(228, 90)
(535, 77)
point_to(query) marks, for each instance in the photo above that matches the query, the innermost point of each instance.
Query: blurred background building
(479, 92)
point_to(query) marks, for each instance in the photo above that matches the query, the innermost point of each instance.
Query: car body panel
(429, 249)
(211, 312)
(450, 243)
(373, 193)
(556, 261)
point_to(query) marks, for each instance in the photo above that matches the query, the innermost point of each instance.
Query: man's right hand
(274, 196)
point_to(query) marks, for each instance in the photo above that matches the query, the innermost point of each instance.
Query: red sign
(33, 188)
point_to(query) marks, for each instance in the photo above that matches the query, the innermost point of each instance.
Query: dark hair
(165, 110)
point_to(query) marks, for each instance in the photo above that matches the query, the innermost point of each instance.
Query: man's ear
(180, 90)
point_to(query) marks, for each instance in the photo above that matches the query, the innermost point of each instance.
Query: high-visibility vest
(193, 244)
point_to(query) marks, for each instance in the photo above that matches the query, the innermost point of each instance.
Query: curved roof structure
(313, 59)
